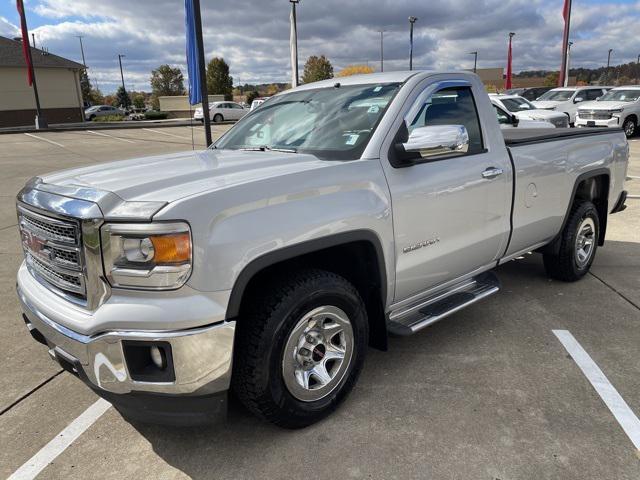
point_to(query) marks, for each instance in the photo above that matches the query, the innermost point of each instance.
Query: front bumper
(613, 122)
(201, 360)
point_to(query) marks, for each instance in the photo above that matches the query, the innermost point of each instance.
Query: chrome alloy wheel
(585, 242)
(318, 353)
(629, 128)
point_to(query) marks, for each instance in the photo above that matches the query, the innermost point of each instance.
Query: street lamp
(412, 20)
(382, 49)
(293, 40)
(638, 71)
(120, 57)
(608, 64)
(475, 60)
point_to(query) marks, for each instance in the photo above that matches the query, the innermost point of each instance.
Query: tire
(630, 127)
(578, 244)
(91, 117)
(217, 118)
(271, 338)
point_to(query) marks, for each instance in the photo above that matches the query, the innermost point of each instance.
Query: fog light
(158, 357)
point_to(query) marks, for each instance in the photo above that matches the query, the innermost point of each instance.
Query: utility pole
(475, 61)
(608, 64)
(382, 49)
(412, 20)
(638, 71)
(293, 47)
(203, 73)
(566, 14)
(82, 51)
(122, 77)
(566, 70)
(33, 37)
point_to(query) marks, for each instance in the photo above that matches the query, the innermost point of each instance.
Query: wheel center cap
(318, 353)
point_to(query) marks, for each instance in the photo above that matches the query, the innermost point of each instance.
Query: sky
(253, 35)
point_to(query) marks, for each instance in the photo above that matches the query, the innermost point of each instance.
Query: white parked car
(508, 120)
(222, 111)
(102, 111)
(526, 111)
(566, 99)
(257, 102)
(619, 107)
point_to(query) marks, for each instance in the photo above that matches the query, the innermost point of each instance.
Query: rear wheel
(578, 244)
(629, 127)
(217, 118)
(300, 348)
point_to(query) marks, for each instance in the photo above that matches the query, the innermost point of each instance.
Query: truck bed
(523, 136)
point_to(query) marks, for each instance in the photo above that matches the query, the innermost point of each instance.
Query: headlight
(152, 256)
(616, 110)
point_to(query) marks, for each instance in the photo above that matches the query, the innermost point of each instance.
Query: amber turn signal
(172, 248)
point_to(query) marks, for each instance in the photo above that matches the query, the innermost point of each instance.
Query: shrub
(155, 115)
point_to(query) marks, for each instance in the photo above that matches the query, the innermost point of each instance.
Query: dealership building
(58, 81)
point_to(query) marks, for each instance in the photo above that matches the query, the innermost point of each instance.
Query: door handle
(492, 172)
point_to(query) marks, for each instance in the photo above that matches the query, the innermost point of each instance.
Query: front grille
(586, 115)
(52, 248)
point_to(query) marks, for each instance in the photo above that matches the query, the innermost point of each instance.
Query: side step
(443, 304)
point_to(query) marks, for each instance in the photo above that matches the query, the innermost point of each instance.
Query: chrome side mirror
(435, 140)
(578, 100)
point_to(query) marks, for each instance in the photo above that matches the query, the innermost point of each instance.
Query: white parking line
(166, 133)
(609, 395)
(59, 444)
(44, 140)
(110, 136)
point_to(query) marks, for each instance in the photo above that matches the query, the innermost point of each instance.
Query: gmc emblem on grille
(33, 243)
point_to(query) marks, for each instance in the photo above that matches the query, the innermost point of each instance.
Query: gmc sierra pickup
(336, 213)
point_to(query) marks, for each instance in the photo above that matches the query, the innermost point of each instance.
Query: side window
(503, 118)
(593, 94)
(452, 106)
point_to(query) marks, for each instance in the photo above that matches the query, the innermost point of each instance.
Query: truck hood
(546, 104)
(539, 115)
(167, 178)
(603, 106)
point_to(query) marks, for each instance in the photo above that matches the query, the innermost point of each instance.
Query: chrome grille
(586, 115)
(52, 248)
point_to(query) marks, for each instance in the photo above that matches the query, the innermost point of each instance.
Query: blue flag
(193, 66)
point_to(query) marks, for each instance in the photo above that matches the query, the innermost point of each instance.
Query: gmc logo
(33, 243)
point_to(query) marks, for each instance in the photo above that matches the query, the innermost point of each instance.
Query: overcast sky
(253, 35)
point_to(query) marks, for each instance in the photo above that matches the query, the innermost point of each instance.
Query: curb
(108, 126)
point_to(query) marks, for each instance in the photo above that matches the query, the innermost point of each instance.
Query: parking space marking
(59, 444)
(110, 136)
(166, 133)
(609, 395)
(44, 139)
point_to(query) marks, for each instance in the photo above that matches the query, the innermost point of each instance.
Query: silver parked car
(102, 111)
(222, 111)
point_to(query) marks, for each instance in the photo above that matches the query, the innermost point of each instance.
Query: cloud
(253, 36)
(8, 29)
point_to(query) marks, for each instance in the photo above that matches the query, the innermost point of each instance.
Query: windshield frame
(323, 154)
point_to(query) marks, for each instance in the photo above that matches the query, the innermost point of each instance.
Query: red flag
(25, 41)
(507, 80)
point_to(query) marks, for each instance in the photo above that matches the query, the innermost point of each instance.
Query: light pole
(412, 20)
(608, 64)
(638, 71)
(82, 50)
(120, 56)
(566, 70)
(382, 49)
(475, 60)
(293, 40)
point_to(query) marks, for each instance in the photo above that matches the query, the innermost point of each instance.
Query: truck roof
(377, 78)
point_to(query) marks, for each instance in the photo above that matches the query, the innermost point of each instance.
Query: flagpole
(508, 83)
(566, 13)
(40, 120)
(293, 45)
(203, 72)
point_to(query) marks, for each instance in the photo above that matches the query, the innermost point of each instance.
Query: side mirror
(515, 121)
(436, 140)
(578, 100)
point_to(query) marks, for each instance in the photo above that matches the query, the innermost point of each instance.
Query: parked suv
(566, 99)
(619, 107)
(525, 110)
(531, 94)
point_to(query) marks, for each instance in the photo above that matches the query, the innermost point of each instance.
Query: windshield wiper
(265, 148)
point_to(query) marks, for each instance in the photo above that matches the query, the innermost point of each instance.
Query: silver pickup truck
(336, 213)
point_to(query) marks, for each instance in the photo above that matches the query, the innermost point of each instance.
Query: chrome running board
(416, 317)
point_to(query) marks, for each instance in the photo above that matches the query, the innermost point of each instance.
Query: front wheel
(578, 244)
(300, 348)
(629, 127)
(217, 118)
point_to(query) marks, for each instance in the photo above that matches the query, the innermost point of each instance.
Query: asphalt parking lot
(490, 393)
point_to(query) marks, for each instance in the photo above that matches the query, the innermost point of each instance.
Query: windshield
(517, 104)
(557, 95)
(93, 109)
(332, 123)
(620, 96)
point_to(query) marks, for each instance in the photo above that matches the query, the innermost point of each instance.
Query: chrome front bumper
(201, 356)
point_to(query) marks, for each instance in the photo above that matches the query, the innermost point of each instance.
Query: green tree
(138, 101)
(96, 97)
(251, 96)
(551, 80)
(166, 81)
(85, 86)
(122, 97)
(317, 68)
(219, 82)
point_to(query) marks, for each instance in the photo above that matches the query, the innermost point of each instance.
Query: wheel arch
(356, 255)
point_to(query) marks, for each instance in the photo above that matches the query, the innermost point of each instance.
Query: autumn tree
(551, 80)
(166, 81)
(138, 101)
(251, 96)
(316, 69)
(219, 82)
(354, 70)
